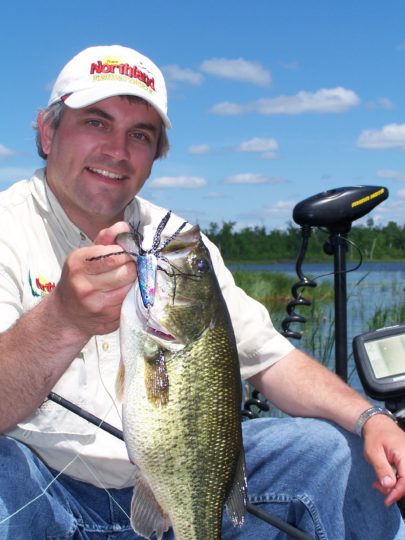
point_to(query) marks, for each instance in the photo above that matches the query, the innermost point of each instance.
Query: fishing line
(347, 271)
(106, 389)
(99, 423)
(104, 488)
(291, 530)
(46, 488)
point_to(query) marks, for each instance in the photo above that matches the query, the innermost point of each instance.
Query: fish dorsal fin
(147, 516)
(236, 501)
(119, 382)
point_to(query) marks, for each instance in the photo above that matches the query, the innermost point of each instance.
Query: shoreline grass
(273, 290)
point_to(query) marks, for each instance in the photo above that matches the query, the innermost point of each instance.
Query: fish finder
(380, 362)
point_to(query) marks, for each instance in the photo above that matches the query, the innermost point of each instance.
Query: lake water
(371, 287)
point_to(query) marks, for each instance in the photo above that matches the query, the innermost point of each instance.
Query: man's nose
(117, 145)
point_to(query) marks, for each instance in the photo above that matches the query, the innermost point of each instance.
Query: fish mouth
(150, 324)
(160, 334)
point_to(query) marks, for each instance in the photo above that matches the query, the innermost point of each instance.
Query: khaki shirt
(35, 237)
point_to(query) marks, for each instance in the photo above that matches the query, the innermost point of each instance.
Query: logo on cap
(112, 69)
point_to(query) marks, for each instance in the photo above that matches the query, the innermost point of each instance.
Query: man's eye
(95, 123)
(138, 135)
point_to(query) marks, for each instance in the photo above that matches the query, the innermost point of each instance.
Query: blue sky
(271, 101)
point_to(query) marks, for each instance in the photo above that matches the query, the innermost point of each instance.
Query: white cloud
(392, 210)
(225, 108)
(253, 178)
(174, 73)
(380, 103)
(266, 147)
(325, 100)
(185, 182)
(214, 195)
(390, 136)
(5, 152)
(239, 69)
(277, 213)
(281, 208)
(389, 174)
(199, 149)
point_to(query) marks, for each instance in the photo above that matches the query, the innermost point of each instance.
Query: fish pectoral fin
(119, 382)
(147, 516)
(157, 379)
(237, 498)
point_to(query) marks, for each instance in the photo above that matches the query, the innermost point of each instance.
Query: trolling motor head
(337, 208)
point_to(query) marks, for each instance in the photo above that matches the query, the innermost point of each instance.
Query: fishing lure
(146, 267)
(147, 260)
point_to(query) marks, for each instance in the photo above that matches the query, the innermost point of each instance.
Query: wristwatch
(367, 414)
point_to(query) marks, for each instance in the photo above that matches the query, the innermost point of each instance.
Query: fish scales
(184, 436)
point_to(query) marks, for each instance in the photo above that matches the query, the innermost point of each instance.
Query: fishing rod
(290, 530)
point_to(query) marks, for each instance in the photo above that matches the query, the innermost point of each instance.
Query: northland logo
(112, 67)
(41, 286)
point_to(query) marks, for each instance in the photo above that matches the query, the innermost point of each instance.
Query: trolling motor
(334, 210)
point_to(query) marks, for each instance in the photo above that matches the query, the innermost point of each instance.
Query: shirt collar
(50, 205)
(54, 212)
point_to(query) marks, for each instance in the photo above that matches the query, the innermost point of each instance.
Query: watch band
(367, 414)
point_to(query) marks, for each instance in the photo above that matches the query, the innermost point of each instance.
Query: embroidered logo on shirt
(42, 286)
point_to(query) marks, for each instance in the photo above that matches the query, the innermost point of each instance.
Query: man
(104, 126)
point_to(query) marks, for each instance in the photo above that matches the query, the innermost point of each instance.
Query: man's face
(99, 158)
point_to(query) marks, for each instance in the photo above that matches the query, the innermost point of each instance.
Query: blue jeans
(305, 471)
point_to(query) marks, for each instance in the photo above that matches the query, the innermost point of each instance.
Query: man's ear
(46, 133)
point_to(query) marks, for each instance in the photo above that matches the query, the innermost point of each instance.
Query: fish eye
(202, 265)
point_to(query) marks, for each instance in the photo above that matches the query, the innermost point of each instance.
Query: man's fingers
(385, 450)
(100, 259)
(115, 278)
(107, 237)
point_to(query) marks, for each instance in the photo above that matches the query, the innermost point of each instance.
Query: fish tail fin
(119, 382)
(147, 516)
(237, 498)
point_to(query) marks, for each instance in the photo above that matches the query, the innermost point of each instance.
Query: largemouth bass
(181, 392)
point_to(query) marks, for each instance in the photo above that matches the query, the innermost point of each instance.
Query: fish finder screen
(387, 356)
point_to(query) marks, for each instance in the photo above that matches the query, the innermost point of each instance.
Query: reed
(273, 289)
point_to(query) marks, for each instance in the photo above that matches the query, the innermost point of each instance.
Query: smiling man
(60, 304)
(106, 152)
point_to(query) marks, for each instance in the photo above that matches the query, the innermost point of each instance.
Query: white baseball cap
(101, 72)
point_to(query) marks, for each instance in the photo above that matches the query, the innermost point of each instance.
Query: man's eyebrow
(146, 125)
(98, 112)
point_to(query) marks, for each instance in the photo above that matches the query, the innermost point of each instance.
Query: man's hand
(86, 302)
(384, 449)
(302, 387)
(92, 287)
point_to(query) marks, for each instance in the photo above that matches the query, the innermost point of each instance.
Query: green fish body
(181, 399)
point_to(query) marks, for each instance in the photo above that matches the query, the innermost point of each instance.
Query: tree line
(376, 242)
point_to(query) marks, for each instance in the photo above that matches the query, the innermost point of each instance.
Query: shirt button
(105, 346)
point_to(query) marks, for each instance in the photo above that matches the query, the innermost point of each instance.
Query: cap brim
(83, 98)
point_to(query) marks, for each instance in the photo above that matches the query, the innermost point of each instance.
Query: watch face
(387, 356)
